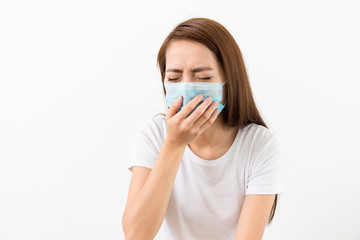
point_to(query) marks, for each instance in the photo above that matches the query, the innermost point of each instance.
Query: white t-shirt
(207, 195)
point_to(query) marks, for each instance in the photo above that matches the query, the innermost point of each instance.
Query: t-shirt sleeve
(146, 145)
(266, 173)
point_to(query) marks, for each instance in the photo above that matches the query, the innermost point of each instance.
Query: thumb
(174, 107)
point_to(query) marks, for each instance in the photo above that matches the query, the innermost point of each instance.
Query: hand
(184, 127)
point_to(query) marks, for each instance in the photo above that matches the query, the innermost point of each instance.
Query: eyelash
(173, 79)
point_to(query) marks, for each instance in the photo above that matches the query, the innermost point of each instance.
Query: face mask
(189, 90)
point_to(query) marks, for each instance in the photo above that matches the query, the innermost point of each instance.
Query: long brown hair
(240, 109)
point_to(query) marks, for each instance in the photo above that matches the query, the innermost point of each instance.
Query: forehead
(185, 53)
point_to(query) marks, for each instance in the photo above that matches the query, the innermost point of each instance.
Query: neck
(217, 135)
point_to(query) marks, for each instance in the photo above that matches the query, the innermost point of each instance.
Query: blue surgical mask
(189, 90)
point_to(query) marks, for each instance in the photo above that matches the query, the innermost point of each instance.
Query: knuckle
(192, 131)
(187, 129)
(208, 113)
(199, 111)
(205, 117)
(195, 133)
(181, 128)
(196, 105)
(211, 120)
(189, 107)
(214, 117)
(184, 129)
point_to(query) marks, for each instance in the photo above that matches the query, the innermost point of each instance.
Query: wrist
(173, 144)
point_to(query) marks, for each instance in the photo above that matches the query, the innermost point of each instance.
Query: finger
(206, 115)
(198, 112)
(185, 111)
(174, 107)
(209, 122)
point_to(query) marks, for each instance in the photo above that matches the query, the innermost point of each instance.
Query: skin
(186, 55)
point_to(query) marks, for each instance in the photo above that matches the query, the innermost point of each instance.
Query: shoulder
(147, 142)
(261, 138)
(154, 126)
(265, 162)
(258, 132)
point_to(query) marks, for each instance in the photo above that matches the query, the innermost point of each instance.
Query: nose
(188, 77)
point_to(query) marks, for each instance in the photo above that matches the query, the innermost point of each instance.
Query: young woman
(209, 168)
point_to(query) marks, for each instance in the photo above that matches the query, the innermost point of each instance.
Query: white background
(77, 78)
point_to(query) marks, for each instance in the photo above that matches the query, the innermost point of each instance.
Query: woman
(210, 168)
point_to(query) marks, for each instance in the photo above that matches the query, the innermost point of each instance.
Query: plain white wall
(77, 78)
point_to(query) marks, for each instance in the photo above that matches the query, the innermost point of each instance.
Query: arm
(143, 216)
(254, 215)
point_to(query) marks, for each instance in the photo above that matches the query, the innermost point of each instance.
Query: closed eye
(174, 79)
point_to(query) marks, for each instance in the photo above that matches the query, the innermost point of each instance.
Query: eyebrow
(193, 70)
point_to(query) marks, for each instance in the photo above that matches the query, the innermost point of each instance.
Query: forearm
(146, 213)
